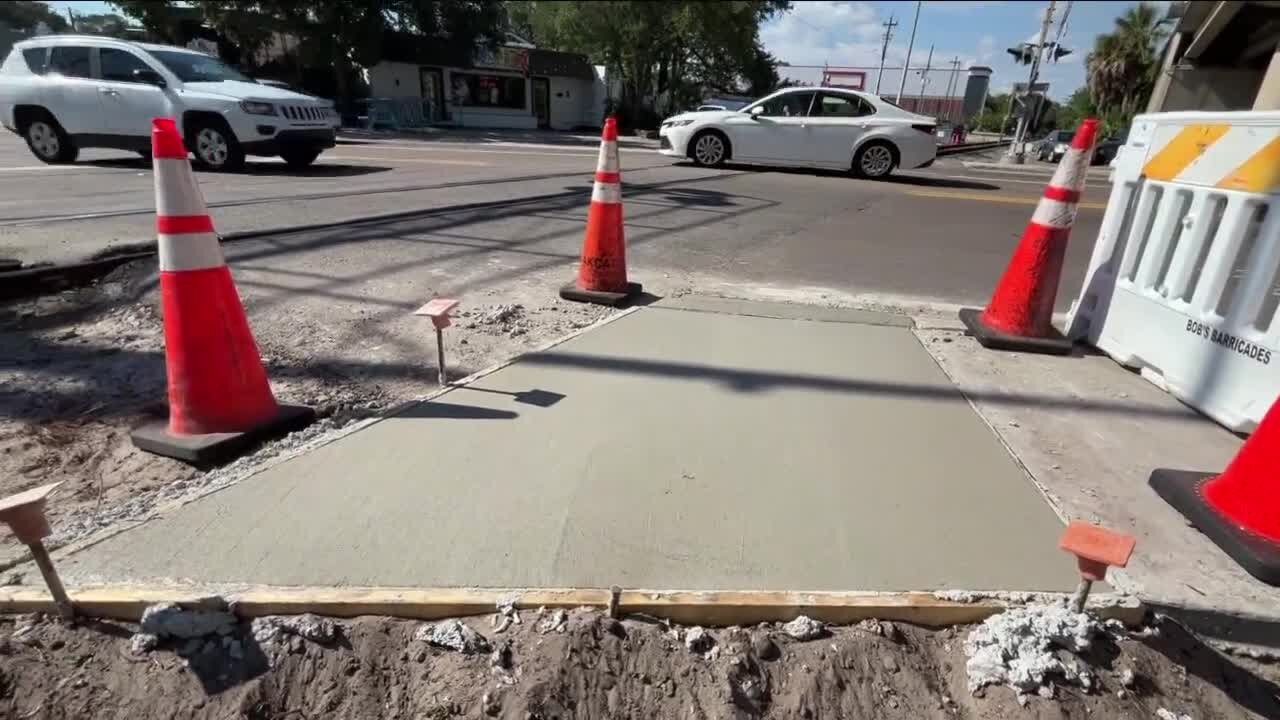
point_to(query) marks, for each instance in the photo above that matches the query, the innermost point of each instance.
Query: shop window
(473, 90)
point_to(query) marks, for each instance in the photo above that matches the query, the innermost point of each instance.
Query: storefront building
(515, 86)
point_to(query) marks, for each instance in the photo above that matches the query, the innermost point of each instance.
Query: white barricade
(1184, 281)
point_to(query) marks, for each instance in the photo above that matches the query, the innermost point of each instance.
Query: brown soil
(595, 668)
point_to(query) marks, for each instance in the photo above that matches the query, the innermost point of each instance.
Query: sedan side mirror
(756, 112)
(150, 77)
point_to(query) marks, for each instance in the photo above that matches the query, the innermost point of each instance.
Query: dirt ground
(595, 667)
(79, 369)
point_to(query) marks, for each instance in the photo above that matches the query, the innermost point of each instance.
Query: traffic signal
(1059, 52)
(1024, 53)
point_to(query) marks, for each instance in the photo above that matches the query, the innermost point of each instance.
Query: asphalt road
(491, 210)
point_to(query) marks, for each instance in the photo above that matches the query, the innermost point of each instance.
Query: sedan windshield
(194, 67)
(1064, 136)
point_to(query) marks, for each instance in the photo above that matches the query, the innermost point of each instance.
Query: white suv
(66, 92)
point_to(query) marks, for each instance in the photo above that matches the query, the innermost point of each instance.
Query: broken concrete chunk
(268, 630)
(1164, 714)
(170, 620)
(555, 622)
(1016, 647)
(1128, 678)
(804, 628)
(142, 643)
(453, 635)
(698, 640)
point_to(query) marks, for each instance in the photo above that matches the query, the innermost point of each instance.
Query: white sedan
(806, 127)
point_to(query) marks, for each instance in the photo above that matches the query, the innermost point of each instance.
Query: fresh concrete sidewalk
(694, 444)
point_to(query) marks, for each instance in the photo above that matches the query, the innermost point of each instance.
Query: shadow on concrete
(1184, 649)
(758, 381)
(434, 409)
(538, 398)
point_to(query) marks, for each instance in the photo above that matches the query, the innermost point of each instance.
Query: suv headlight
(258, 108)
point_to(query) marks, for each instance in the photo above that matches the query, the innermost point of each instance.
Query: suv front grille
(302, 112)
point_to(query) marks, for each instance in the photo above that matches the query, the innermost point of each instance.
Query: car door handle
(108, 91)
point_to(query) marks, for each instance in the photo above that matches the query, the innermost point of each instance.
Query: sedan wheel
(875, 161)
(709, 149)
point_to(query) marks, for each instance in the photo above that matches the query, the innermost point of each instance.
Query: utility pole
(1016, 152)
(924, 77)
(884, 49)
(910, 44)
(71, 20)
(951, 86)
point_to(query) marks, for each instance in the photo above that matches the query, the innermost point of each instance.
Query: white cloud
(813, 33)
(986, 48)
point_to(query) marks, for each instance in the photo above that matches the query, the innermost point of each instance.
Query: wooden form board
(689, 607)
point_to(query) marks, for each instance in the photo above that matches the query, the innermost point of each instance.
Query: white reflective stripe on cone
(1054, 213)
(609, 193)
(177, 192)
(1071, 171)
(608, 161)
(190, 251)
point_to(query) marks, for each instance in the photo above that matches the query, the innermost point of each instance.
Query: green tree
(108, 24)
(1077, 107)
(665, 55)
(25, 16)
(341, 34)
(1122, 68)
(994, 113)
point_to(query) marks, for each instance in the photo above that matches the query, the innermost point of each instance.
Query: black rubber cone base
(993, 339)
(613, 299)
(1181, 489)
(214, 448)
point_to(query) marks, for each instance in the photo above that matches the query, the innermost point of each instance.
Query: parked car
(1053, 146)
(1107, 150)
(64, 93)
(806, 127)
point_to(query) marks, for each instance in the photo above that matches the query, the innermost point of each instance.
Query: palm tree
(1123, 65)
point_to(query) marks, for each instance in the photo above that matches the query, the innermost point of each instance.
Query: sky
(848, 33)
(818, 32)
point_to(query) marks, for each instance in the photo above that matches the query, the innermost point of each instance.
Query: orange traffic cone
(219, 398)
(1020, 314)
(602, 274)
(1239, 510)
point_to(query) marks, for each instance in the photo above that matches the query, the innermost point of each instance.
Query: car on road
(1053, 146)
(65, 93)
(817, 127)
(1107, 150)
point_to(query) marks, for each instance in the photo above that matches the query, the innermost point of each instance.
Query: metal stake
(1081, 595)
(440, 351)
(60, 599)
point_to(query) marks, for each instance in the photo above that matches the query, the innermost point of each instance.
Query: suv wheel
(49, 142)
(215, 146)
(300, 157)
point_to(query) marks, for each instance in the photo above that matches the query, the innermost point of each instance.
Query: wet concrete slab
(693, 444)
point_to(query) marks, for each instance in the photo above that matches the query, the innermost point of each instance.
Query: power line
(884, 49)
